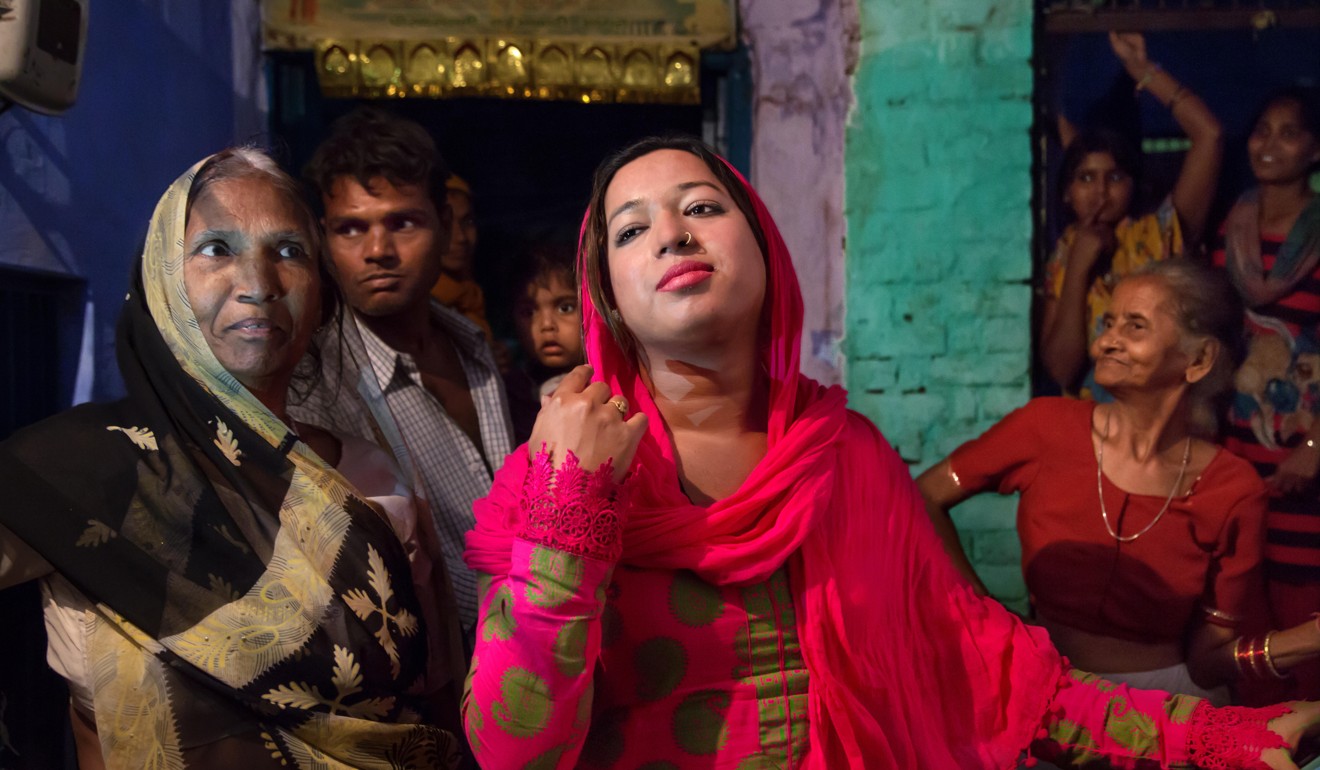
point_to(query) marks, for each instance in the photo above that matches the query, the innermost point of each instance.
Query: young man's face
(385, 243)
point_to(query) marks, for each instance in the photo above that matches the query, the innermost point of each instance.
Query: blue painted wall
(158, 93)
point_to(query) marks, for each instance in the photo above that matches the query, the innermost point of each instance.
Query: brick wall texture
(938, 257)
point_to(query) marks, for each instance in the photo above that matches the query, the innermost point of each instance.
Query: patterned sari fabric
(251, 609)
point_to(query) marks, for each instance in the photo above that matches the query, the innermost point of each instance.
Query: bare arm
(1211, 648)
(941, 493)
(1064, 336)
(1067, 131)
(1194, 192)
(1210, 655)
(1210, 651)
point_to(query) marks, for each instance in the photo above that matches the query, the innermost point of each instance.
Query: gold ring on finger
(620, 403)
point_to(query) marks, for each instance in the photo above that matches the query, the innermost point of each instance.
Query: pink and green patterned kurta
(582, 662)
(700, 672)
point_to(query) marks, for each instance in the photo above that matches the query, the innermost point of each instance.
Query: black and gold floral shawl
(251, 611)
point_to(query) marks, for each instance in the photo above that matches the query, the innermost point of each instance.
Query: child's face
(550, 323)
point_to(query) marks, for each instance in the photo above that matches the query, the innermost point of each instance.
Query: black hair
(546, 260)
(371, 142)
(1125, 154)
(1307, 99)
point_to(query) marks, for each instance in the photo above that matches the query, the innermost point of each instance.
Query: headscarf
(250, 609)
(1297, 258)
(907, 667)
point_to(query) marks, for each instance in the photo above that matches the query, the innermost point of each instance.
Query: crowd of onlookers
(1179, 336)
(337, 522)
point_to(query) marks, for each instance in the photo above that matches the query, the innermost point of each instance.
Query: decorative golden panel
(299, 24)
(518, 68)
(580, 50)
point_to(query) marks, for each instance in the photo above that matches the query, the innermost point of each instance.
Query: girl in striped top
(1270, 246)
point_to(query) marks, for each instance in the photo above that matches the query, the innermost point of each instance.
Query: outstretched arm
(941, 492)
(1194, 192)
(1095, 723)
(1217, 655)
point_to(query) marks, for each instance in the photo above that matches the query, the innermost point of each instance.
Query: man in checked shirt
(387, 220)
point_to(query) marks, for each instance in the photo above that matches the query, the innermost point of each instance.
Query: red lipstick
(684, 274)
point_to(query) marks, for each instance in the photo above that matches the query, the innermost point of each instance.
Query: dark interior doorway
(529, 163)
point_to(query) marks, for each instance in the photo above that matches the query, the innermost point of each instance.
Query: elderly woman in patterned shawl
(225, 587)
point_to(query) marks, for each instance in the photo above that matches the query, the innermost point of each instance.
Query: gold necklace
(1100, 490)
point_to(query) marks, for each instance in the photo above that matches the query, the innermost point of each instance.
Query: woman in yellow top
(1105, 242)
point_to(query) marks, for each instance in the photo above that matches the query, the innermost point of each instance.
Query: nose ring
(687, 239)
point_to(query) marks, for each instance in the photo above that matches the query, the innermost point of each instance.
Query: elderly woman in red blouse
(1140, 541)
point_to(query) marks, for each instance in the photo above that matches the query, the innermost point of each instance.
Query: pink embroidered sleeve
(572, 510)
(1092, 721)
(528, 697)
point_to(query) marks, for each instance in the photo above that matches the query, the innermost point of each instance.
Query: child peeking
(548, 322)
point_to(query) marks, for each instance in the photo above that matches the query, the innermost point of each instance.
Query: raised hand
(584, 418)
(1094, 240)
(1130, 48)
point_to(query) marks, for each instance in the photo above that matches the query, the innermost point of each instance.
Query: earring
(614, 315)
(687, 239)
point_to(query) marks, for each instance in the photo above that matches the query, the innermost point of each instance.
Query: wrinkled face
(550, 322)
(1141, 346)
(1099, 188)
(457, 261)
(385, 243)
(669, 287)
(251, 279)
(1280, 148)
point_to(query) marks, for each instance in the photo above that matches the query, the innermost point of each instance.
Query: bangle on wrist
(1269, 660)
(1252, 658)
(1145, 79)
(1242, 656)
(1173, 100)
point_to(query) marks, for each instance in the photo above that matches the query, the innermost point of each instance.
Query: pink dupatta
(907, 667)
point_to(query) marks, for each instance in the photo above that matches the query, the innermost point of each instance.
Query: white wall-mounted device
(41, 52)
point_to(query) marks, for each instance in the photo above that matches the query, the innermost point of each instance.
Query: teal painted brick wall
(938, 260)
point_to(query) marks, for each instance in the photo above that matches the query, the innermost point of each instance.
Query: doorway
(529, 163)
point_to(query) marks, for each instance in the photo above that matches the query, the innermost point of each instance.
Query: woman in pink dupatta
(704, 560)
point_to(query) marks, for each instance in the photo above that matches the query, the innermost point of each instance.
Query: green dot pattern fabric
(622, 668)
